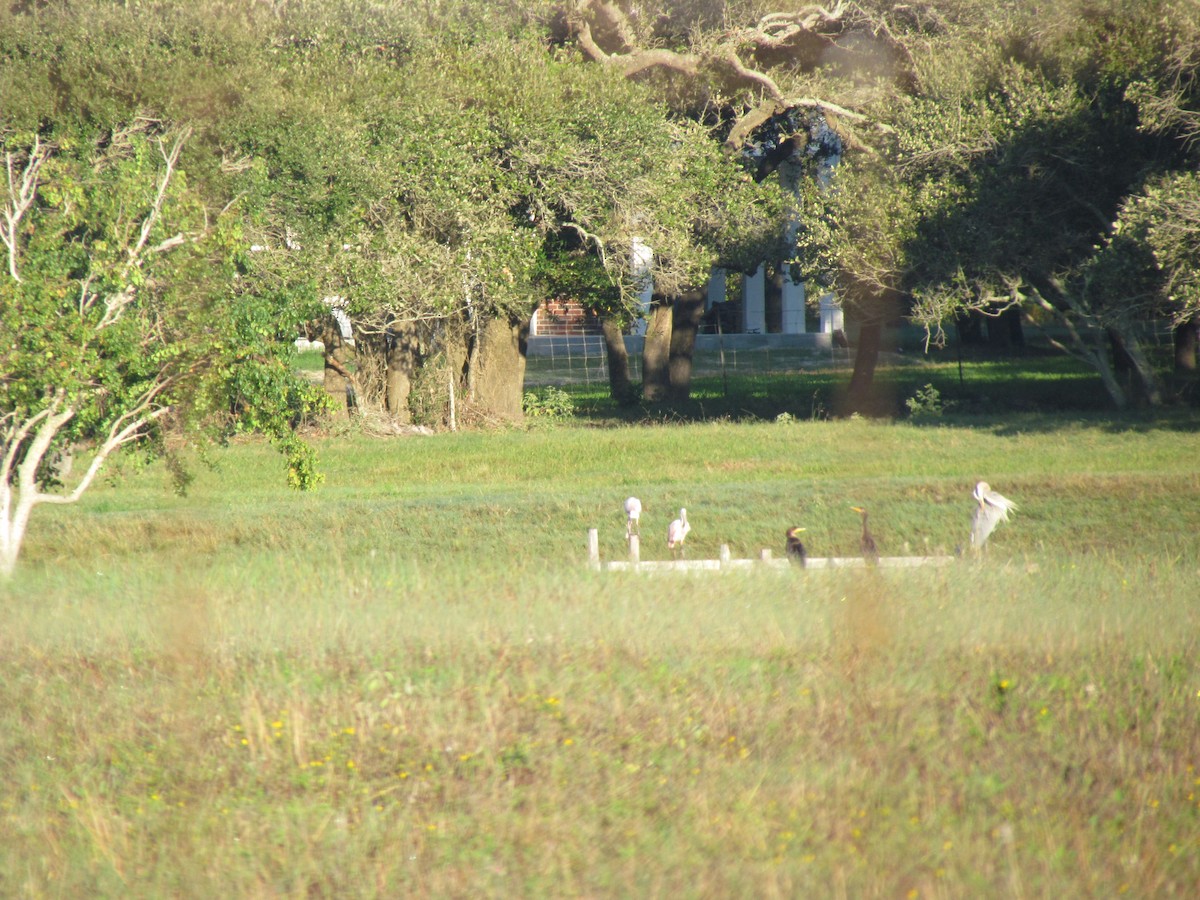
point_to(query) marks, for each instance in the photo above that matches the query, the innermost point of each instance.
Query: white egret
(990, 510)
(633, 513)
(677, 532)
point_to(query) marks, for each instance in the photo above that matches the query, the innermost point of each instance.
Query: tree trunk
(656, 354)
(1108, 375)
(1011, 318)
(499, 378)
(866, 357)
(685, 323)
(1187, 340)
(397, 388)
(1004, 331)
(970, 328)
(337, 375)
(619, 383)
(403, 356)
(773, 276)
(1129, 357)
(1088, 346)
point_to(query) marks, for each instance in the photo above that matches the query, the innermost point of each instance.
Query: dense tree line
(1011, 163)
(187, 184)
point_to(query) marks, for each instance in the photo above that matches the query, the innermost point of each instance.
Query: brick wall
(566, 317)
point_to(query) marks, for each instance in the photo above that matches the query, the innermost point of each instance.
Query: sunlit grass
(410, 683)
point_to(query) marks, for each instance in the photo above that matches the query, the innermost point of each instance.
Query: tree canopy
(1035, 156)
(186, 183)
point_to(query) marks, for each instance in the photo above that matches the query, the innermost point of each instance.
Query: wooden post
(765, 554)
(724, 554)
(594, 548)
(635, 550)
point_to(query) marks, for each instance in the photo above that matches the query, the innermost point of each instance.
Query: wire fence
(555, 360)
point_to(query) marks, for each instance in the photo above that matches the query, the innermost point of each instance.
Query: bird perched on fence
(633, 513)
(795, 549)
(677, 532)
(990, 510)
(870, 551)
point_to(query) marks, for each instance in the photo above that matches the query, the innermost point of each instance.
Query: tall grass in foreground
(409, 684)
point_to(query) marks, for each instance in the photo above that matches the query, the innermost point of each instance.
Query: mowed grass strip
(529, 497)
(410, 683)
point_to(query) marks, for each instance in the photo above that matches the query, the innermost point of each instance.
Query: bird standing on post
(795, 549)
(633, 514)
(677, 531)
(990, 510)
(870, 551)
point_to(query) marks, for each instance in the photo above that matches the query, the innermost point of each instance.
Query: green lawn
(410, 683)
(1051, 384)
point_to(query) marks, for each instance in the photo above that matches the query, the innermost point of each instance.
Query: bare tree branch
(49, 422)
(1081, 349)
(14, 436)
(739, 74)
(115, 304)
(780, 33)
(588, 237)
(745, 126)
(22, 189)
(801, 36)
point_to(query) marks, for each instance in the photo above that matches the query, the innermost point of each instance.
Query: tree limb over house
(737, 62)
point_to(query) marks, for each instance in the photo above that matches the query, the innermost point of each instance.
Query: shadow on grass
(1044, 392)
(1139, 421)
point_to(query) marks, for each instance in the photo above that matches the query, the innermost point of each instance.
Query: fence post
(635, 550)
(724, 555)
(594, 548)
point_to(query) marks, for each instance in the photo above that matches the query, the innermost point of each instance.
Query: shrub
(548, 403)
(926, 403)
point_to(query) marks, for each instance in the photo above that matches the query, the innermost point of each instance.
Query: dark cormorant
(795, 549)
(870, 551)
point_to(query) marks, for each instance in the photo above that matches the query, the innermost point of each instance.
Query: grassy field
(410, 684)
(1048, 384)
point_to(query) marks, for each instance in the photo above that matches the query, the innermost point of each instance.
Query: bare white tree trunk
(22, 189)
(19, 491)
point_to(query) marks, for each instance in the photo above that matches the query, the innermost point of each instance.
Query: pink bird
(677, 532)
(633, 513)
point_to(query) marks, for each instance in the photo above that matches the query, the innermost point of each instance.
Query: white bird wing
(675, 533)
(1002, 503)
(989, 512)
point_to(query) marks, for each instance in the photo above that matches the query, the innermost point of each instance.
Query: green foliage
(91, 317)
(429, 399)
(1030, 133)
(925, 404)
(120, 322)
(1152, 255)
(548, 403)
(414, 157)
